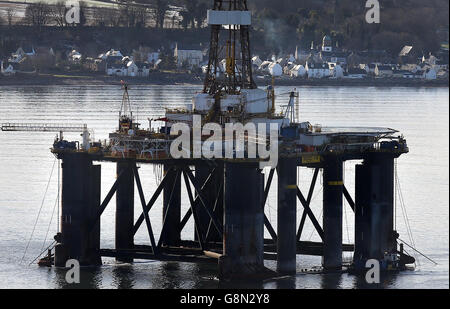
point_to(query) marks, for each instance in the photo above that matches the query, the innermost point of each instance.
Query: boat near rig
(227, 195)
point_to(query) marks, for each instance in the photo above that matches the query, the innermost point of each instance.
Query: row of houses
(319, 70)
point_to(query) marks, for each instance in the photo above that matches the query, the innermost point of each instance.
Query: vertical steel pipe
(287, 216)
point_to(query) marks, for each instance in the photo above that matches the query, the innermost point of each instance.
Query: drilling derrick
(230, 21)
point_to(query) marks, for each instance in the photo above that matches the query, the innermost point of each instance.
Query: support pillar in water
(243, 239)
(125, 210)
(374, 209)
(80, 200)
(172, 207)
(332, 213)
(287, 216)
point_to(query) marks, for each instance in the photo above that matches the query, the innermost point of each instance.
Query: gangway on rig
(50, 127)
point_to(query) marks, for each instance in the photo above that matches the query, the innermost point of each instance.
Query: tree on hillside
(38, 14)
(10, 14)
(161, 7)
(59, 13)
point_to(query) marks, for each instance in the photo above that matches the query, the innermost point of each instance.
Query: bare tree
(59, 13)
(162, 6)
(102, 16)
(38, 14)
(10, 14)
(114, 18)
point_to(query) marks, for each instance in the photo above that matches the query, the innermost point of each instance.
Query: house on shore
(298, 71)
(383, 71)
(317, 70)
(190, 58)
(8, 68)
(138, 69)
(21, 53)
(356, 73)
(430, 74)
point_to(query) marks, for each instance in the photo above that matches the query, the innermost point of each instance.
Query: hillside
(278, 26)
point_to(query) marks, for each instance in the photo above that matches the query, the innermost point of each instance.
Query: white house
(111, 54)
(275, 69)
(327, 44)
(153, 57)
(8, 69)
(20, 53)
(74, 56)
(264, 67)
(298, 71)
(191, 58)
(117, 70)
(143, 69)
(430, 74)
(383, 71)
(356, 73)
(132, 69)
(256, 61)
(369, 68)
(317, 70)
(336, 71)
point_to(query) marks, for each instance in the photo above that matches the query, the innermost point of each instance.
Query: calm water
(422, 115)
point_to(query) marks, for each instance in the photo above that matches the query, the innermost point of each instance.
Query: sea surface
(29, 182)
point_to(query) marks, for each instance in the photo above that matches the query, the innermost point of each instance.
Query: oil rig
(227, 196)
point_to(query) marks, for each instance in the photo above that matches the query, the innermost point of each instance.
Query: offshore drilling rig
(227, 196)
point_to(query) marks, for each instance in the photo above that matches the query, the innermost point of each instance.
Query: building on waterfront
(383, 71)
(8, 68)
(190, 58)
(317, 70)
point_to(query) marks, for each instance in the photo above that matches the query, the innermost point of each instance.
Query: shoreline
(162, 78)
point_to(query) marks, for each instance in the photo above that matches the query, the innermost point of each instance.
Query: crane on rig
(48, 127)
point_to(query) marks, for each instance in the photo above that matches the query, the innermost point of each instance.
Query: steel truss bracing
(198, 200)
(238, 74)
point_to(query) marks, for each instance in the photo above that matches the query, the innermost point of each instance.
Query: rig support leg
(80, 202)
(332, 213)
(125, 210)
(287, 216)
(374, 209)
(172, 207)
(243, 238)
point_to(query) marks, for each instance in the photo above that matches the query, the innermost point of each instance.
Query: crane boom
(50, 127)
(43, 127)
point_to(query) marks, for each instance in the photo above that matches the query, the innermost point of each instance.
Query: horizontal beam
(242, 18)
(159, 257)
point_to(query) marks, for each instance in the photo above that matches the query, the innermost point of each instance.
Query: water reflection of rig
(227, 196)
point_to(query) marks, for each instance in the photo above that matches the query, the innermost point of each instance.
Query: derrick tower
(230, 21)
